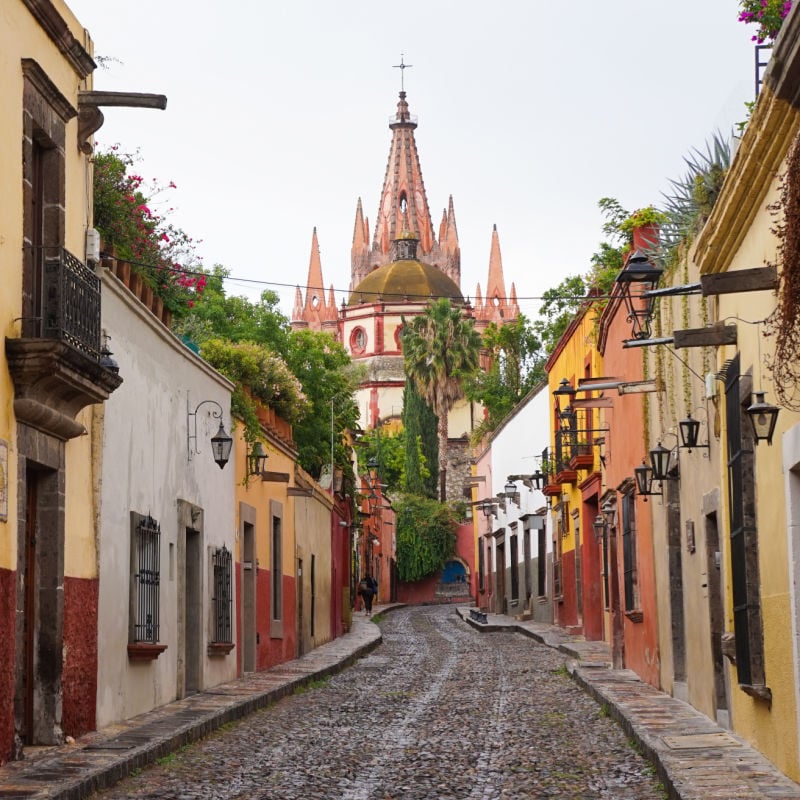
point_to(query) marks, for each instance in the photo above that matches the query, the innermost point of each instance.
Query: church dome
(403, 281)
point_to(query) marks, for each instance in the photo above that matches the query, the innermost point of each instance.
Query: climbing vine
(426, 536)
(784, 322)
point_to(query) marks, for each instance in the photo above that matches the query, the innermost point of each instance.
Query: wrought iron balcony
(70, 302)
(56, 364)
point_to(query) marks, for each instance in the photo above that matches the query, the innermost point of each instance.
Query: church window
(358, 340)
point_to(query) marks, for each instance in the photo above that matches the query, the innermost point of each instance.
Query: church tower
(403, 215)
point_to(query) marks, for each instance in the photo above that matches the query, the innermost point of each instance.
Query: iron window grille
(146, 580)
(222, 601)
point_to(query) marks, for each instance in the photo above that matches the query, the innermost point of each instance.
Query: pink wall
(627, 446)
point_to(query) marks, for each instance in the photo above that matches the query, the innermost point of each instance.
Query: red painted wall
(566, 609)
(7, 653)
(271, 651)
(79, 679)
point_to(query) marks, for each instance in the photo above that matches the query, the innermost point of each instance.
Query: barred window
(145, 563)
(222, 601)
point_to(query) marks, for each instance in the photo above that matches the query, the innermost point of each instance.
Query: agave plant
(692, 198)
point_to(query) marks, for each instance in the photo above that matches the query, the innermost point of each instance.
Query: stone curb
(75, 771)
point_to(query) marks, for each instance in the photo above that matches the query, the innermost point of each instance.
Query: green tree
(329, 379)
(426, 536)
(388, 448)
(441, 349)
(558, 309)
(321, 365)
(516, 365)
(216, 314)
(421, 443)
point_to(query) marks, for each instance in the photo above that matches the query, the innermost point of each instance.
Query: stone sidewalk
(695, 759)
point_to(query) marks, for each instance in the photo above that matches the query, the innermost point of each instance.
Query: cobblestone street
(437, 711)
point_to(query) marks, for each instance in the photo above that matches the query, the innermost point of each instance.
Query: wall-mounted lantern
(763, 417)
(690, 433)
(659, 462)
(257, 459)
(644, 480)
(221, 443)
(511, 491)
(642, 273)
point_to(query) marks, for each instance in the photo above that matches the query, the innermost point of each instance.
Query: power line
(346, 292)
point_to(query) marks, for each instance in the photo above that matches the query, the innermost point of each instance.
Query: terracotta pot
(136, 284)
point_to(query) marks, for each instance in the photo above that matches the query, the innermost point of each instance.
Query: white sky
(529, 112)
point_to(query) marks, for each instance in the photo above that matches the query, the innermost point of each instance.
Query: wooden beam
(740, 280)
(275, 477)
(713, 336)
(595, 402)
(637, 387)
(296, 491)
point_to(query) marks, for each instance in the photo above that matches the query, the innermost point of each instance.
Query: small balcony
(581, 456)
(57, 364)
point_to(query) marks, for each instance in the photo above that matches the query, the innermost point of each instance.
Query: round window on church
(358, 340)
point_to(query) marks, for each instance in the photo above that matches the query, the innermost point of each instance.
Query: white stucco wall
(145, 468)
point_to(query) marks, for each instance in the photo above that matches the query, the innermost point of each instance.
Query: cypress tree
(419, 423)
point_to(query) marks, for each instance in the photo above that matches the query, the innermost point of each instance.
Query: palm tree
(441, 347)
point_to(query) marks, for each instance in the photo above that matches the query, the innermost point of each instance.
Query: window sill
(145, 651)
(635, 616)
(760, 691)
(220, 648)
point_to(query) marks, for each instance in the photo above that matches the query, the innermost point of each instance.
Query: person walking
(368, 588)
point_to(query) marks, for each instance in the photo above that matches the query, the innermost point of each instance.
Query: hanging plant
(784, 322)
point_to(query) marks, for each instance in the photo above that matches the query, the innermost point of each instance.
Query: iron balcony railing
(70, 302)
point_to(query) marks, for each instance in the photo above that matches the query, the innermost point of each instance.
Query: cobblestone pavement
(438, 711)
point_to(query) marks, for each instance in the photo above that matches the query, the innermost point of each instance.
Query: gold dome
(405, 281)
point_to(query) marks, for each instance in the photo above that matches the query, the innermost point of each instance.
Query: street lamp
(763, 417)
(640, 272)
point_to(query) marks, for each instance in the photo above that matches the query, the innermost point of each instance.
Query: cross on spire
(402, 67)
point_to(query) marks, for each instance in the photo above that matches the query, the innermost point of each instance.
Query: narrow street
(437, 711)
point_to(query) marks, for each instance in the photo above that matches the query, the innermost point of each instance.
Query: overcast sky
(529, 112)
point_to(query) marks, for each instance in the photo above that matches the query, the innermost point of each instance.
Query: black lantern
(599, 527)
(659, 460)
(221, 445)
(640, 272)
(763, 417)
(690, 432)
(257, 459)
(566, 389)
(644, 480)
(537, 479)
(511, 491)
(609, 512)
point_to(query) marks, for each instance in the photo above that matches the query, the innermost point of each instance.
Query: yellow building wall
(576, 348)
(21, 36)
(737, 239)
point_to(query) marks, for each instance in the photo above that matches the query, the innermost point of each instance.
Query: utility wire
(343, 292)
